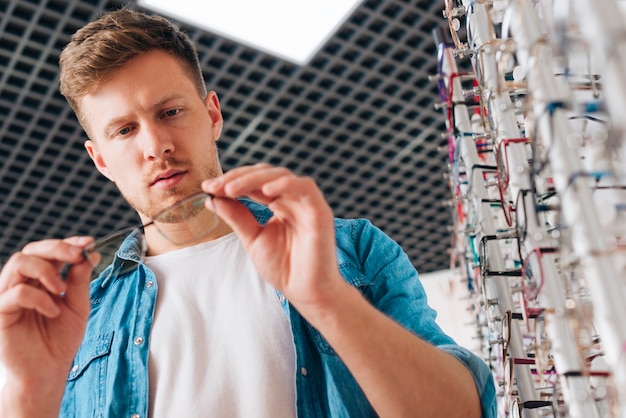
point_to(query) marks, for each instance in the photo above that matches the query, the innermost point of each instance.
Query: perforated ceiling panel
(358, 118)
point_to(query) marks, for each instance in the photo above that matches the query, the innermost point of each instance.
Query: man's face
(151, 133)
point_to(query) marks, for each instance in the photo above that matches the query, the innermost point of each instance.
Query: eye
(172, 112)
(124, 131)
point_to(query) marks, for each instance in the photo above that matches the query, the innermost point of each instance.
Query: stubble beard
(150, 208)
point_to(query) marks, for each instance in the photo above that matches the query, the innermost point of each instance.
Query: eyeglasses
(502, 161)
(187, 221)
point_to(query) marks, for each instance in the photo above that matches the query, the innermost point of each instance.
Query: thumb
(78, 281)
(239, 218)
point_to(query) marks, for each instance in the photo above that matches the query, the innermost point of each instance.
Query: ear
(215, 113)
(96, 157)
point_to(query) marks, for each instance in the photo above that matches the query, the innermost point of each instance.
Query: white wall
(449, 298)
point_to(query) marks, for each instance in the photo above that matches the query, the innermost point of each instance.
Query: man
(279, 311)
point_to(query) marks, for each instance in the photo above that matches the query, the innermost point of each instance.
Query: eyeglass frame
(128, 230)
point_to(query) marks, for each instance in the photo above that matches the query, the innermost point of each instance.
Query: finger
(68, 250)
(239, 218)
(243, 170)
(78, 282)
(79, 241)
(24, 296)
(42, 261)
(292, 186)
(215, 185)
(244, 181)
(294, 197)
(22, 267)
(263, 181)
(255, 181)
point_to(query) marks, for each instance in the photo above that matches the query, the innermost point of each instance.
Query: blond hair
(102, 47)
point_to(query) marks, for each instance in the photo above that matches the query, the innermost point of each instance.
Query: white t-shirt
(221, 343)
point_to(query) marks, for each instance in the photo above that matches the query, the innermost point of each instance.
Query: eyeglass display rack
(534, 93)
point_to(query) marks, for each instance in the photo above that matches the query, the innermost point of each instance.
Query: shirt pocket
(89, 352)
(85, 392)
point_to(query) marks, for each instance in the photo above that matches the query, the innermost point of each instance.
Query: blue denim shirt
(109, 376)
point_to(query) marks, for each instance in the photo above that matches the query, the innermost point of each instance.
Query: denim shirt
(109, 375)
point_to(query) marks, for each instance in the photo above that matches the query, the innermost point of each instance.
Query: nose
(156, 144)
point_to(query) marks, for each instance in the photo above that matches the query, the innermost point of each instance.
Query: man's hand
(295, 250)
(400, 374)
(42, 322)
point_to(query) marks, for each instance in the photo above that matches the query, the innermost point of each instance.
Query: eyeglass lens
(185, 222)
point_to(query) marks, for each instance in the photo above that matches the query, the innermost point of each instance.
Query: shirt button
(138, 341)
(135, 416)
(75, 368)
(150, 284)
(282, 299)
(304, 371)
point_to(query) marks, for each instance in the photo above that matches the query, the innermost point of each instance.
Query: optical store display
(534, 94)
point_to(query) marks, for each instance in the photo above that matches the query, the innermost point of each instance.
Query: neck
(158, 244)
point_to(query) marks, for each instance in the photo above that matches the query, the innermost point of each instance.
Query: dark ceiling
(359, 118)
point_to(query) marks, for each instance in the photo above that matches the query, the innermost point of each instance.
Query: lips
(168, 178)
